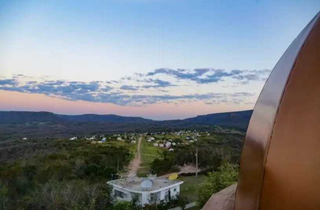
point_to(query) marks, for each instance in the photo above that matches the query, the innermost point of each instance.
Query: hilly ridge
(104, 118)
(14, 125)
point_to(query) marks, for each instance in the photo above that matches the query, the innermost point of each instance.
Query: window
(154, 197)
(119, 194)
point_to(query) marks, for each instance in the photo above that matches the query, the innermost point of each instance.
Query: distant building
(73, 138)
(145, 190)
(104, 139)
(25, 138)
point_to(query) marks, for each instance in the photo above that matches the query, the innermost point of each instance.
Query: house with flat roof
(145, 190)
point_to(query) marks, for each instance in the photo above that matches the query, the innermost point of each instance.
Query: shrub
(226, 175)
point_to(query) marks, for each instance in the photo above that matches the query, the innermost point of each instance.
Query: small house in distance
(145, 190)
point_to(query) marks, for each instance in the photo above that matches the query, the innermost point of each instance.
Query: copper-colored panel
(292, 170)
(254, 154)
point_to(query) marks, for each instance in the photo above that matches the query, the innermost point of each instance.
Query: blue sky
(234, 42)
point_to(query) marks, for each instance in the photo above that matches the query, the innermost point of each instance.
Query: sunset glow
(156, 59)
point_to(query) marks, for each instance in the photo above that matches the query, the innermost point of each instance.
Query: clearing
(135, 163)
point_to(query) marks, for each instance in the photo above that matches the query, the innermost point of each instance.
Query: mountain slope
(238, 119)
(104, 118)
(28, 117)
(46, 125)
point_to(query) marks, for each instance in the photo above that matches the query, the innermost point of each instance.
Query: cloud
(99, 92)
(205, 76)
(129, 87)
(143, 89)
(137, 100)
(180, 73)
(157, 83)
(8, 82)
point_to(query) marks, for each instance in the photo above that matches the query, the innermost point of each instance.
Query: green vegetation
(63, 174)
(212, 150)
(124, 205)
(226, 175)
(72, 178)
(218, 156)
(191, 185)
(148, 154)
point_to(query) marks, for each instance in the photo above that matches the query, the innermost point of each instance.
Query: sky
(158, 59)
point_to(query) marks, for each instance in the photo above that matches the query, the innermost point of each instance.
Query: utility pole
(197, 162)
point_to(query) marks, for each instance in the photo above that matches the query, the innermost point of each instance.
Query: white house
(73, 138)
(145, 190)
(151, 139)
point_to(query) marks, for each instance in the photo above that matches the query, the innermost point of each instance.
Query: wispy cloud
(129, 87)
(8, 82)
(143, 89)
(204, 76)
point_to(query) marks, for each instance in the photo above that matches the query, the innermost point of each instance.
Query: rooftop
(134, 184)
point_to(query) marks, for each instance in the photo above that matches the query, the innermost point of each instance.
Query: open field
(148, 154)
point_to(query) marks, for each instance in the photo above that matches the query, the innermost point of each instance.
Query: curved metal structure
(280, 163)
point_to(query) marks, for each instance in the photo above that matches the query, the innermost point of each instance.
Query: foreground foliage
(226, 175)
(74, 178)
(212, 151)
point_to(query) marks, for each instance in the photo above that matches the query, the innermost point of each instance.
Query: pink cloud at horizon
(16, 101)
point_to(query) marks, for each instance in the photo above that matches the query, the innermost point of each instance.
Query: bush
(226, 175)
(68, 195)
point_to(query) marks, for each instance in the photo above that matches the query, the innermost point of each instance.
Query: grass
(190, 185)
(148, 153)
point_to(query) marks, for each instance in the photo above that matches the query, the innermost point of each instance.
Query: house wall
(174, 191)
(128, 195)
(144, 197)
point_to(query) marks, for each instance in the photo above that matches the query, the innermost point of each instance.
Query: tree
(226, 175)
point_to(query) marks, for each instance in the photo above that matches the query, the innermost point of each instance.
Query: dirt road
(135, 163)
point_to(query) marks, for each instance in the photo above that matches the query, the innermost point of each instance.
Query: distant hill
(238, 119)
(104, 118)
(27, 117)
(43, 125)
